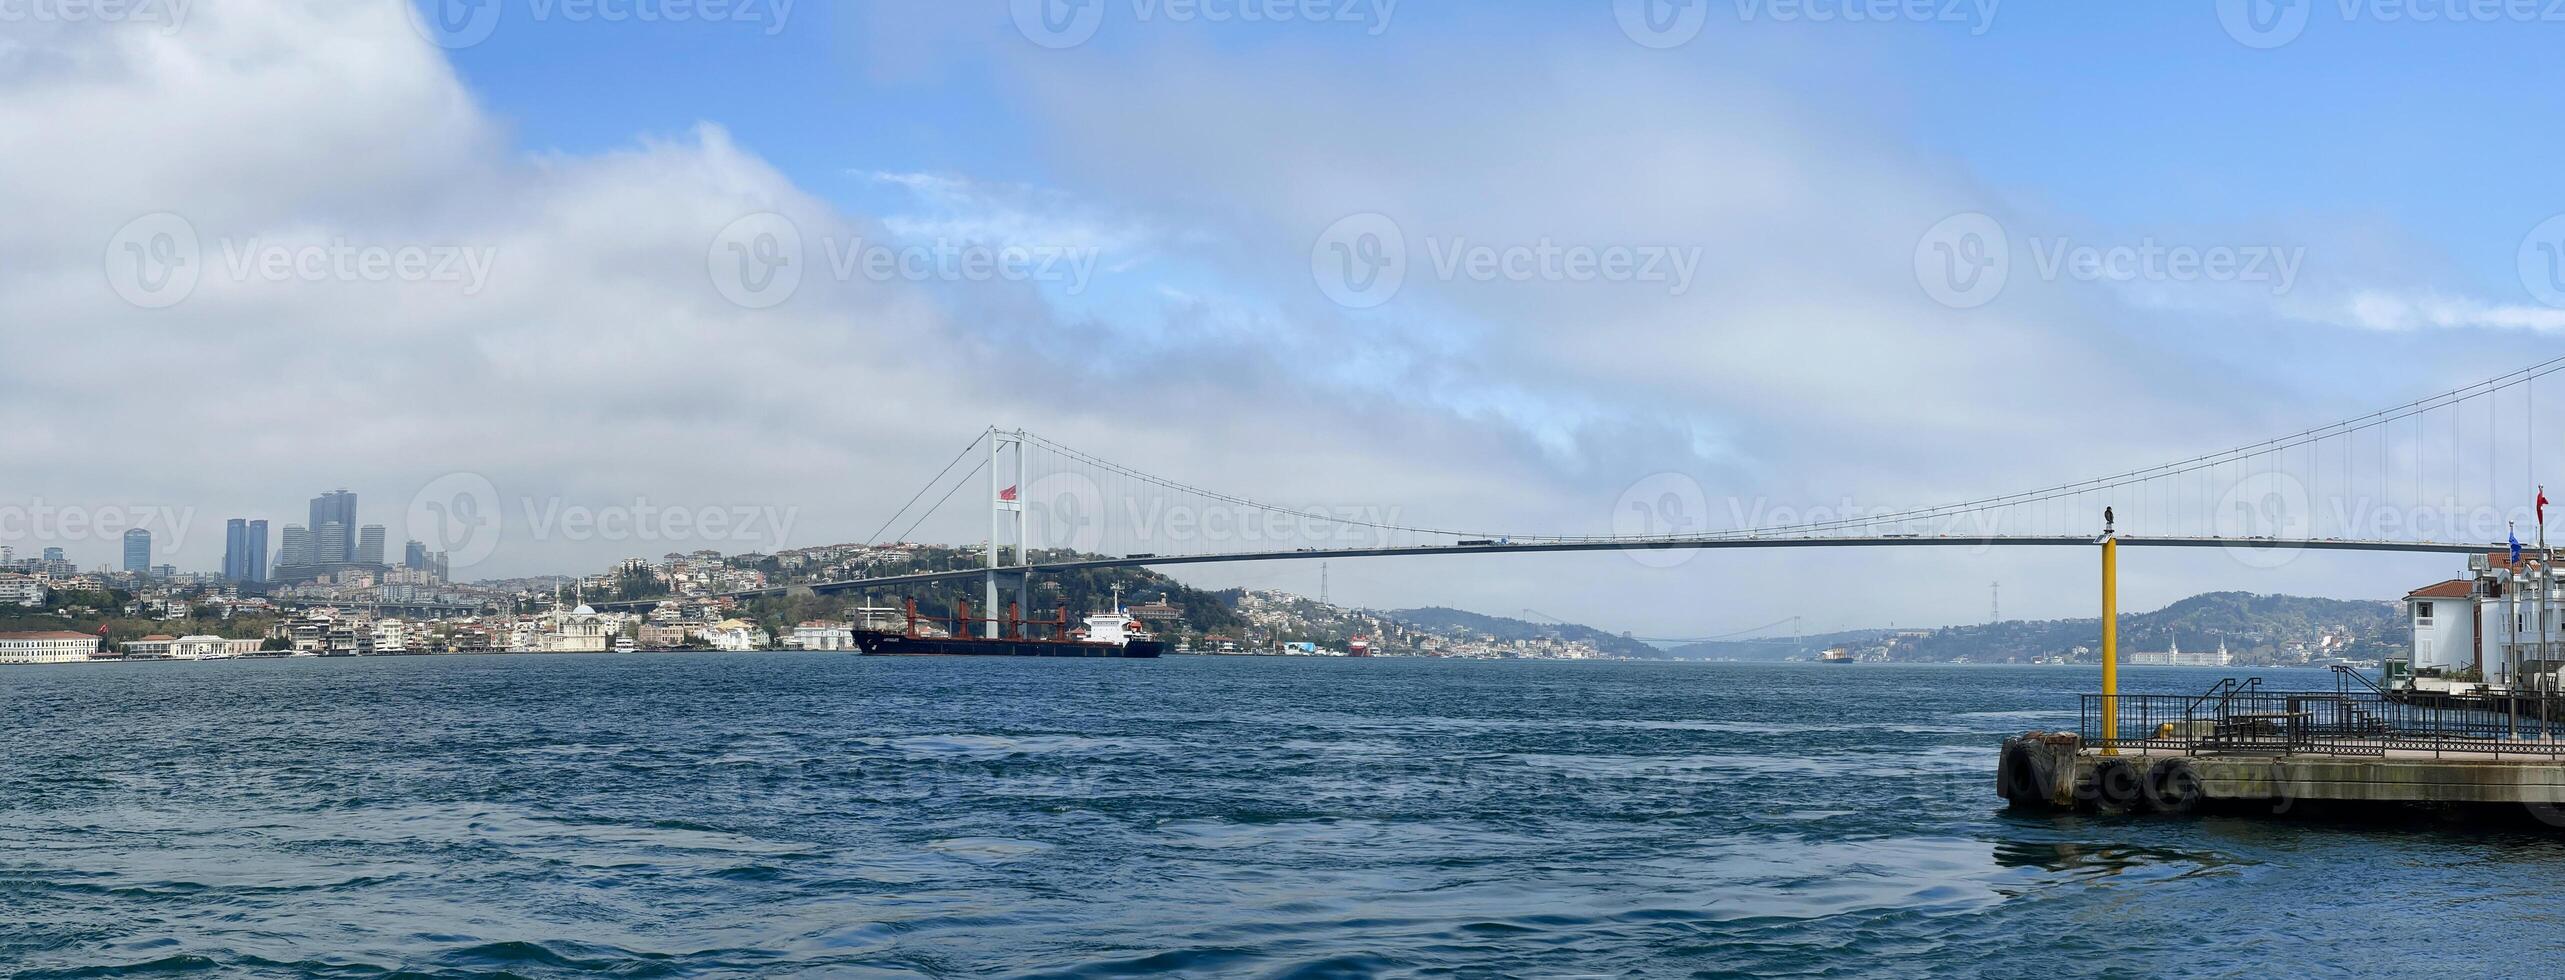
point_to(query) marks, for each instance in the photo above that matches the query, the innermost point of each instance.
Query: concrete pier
(2045, 770)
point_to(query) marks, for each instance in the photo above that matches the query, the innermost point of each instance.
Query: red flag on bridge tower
(1009, 494)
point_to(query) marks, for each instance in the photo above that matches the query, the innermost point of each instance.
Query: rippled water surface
(820, 815)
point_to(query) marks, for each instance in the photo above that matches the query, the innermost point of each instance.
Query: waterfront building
(394, 636)
(138, 552)
(50, 647)
(211, 648)
(153, 647)
(735, 636)
(822, 635)
(2501, 627)
(2174, 657)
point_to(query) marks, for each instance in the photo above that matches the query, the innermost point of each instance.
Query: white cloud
(2376, 310)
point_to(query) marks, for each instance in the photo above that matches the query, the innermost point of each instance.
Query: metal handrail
(2242, 718)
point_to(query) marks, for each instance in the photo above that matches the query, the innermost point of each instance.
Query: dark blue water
(818, 815)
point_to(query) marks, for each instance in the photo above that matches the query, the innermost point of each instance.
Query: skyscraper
(369, 545)
(296, 550)
(336, 507)
(138, 551)
(414, 555)
(256, 568)
(54, 554)
(236, 549)
(332, 543)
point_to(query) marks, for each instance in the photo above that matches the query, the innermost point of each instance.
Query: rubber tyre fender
(2172, 787)
(2117, 785)
(2027, 776)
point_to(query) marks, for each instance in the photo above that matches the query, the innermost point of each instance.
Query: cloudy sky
(1497, 266)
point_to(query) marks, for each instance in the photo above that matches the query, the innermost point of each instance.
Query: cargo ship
(1116, 634)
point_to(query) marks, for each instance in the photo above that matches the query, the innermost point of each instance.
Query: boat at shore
(1116, 634)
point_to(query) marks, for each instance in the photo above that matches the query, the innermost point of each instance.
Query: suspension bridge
(2446, 474)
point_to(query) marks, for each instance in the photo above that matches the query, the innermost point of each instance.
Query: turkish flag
(1007, 494)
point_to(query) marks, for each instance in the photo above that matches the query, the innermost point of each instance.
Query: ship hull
(903, 645)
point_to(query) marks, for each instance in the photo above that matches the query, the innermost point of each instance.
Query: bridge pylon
(1007, 497)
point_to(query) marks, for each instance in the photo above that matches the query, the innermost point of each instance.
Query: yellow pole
(2110, 642)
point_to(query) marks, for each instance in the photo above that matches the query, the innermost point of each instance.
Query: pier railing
(2243, 719)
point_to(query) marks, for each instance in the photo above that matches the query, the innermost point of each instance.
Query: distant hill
(1443, 620)
(2256, 628)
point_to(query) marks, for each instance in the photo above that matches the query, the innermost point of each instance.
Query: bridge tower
(1006, 496)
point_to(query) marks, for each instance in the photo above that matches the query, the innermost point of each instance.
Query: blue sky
(2129, 112)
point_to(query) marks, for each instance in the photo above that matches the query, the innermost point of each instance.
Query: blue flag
(2515, 536)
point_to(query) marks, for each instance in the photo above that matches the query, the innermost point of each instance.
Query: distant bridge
(2438, 461)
